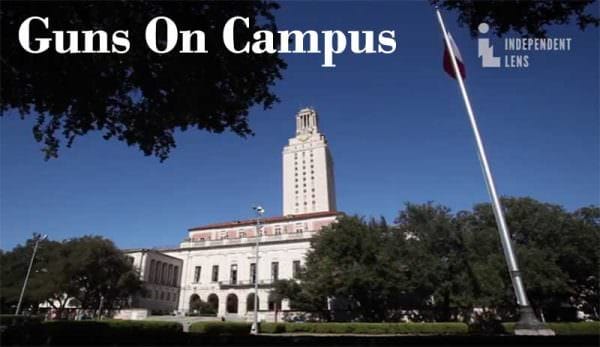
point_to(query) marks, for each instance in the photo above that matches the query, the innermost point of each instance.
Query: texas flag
(448, 62)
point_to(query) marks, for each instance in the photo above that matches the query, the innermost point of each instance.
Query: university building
(216, 263)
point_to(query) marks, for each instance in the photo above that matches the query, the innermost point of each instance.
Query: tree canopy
(88, 269)
(446, 264)
(141, 98)
(529, 18)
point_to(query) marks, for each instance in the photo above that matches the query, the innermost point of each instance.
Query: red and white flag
(448, 62)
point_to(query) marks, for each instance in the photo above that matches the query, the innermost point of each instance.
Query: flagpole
(527, 321)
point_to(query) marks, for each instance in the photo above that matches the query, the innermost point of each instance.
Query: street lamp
(259, 212)
(37, 238)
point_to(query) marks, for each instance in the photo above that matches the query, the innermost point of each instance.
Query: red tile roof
(266, 220)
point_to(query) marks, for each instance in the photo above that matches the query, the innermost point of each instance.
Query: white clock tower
(308, 183)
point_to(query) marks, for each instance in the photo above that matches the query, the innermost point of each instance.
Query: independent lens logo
(519, 52)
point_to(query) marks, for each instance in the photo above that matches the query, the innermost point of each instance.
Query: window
(295, 268)
(215, 273)
(242, 234)
(274, 271)
(168, 296)
(233, 274)
(162, 295)
(197, 272)
(253, 273)
(151, 272)
(176, 276)
(157, 272)
(278, 231)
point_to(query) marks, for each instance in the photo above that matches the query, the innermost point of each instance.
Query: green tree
(141, 98)
(13, 267)
(529, 18)
(101, 273)
(434, 251)
(353, 263)
(580, 258)
(556, 250)
(87, 268)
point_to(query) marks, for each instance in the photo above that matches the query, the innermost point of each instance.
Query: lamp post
(37, 238)
(259, 212)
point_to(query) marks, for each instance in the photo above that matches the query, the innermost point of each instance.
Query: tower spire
(307, 121)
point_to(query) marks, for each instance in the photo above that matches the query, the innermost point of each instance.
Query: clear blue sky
(396, 126)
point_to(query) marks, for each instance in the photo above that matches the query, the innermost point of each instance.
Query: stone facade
(161, 275)
(308, 180)
(216, 263)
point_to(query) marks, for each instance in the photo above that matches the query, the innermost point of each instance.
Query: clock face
(303, 137)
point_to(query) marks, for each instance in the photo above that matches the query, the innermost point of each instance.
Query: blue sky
(396, 125)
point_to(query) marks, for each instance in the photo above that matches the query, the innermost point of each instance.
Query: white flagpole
(527, 316)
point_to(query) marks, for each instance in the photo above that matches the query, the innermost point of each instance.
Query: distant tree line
(439, 266)
(89, 270)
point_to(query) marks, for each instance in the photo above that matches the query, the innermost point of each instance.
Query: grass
(567, 328)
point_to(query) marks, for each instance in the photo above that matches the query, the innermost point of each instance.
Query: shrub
(367, 328)
(221, 328)
(486, 324)
(272, 328)
(113, 332)
(21, 330)
(568, 328)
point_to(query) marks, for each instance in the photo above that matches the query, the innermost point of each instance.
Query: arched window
(250, 303)
(195, 302)
(213, 302)
(232, 303)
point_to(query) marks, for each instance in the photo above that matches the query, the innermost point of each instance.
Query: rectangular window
(296, 268)
(233, 274)
(151, 272)
(274, 271)
(253, 273)
(215, 273)
(176, 276)
(197, 272)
